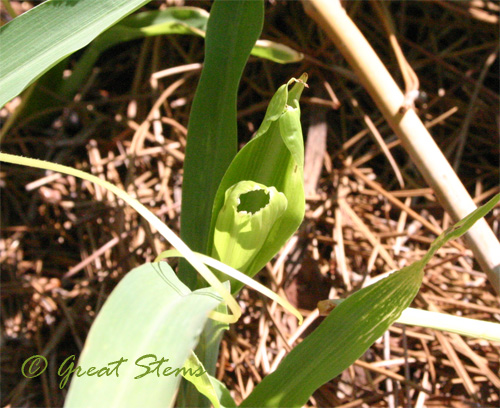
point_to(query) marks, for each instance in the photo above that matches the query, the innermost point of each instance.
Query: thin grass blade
(349, 330)
(233, 28)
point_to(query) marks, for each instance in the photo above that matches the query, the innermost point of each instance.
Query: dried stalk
(415, 138)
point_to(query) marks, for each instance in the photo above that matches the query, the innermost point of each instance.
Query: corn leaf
(150, 312)
(232, 30)
(51, 90)
(349, 330)
(173, 20)
(48, 33)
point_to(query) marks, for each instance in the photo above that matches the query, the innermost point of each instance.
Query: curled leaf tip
(237, 275)
(302, 79)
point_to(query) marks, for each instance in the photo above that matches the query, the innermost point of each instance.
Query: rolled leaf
(273, 158)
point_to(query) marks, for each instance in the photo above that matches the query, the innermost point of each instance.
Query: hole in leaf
(253, 201)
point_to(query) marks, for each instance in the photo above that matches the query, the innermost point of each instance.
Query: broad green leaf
(273, 159)
(150, 313)
(349, 330)
(37, 40)
(233, 28)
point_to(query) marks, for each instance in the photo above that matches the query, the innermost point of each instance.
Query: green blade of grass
(349, 330)
(48, 33)
(464, 326)
(233, 28)
(161, 227)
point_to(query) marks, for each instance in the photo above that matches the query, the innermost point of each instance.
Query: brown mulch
(65, 244)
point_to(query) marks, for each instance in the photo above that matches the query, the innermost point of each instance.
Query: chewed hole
(253, 201)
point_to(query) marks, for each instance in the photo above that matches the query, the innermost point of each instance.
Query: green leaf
(48, 33)
(233, 29)
(276, 52)
(223, 393)
(273, 159)
(342, 337)
(150, 312)
(202, 383)
(349, 330)
(173, 20)
(209, 386)
(52, 90)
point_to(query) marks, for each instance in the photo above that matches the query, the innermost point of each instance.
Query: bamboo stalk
(415, 138)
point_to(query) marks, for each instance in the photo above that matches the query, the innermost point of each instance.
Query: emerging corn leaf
(271, 165)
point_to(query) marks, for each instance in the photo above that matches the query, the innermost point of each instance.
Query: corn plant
(253, 202)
